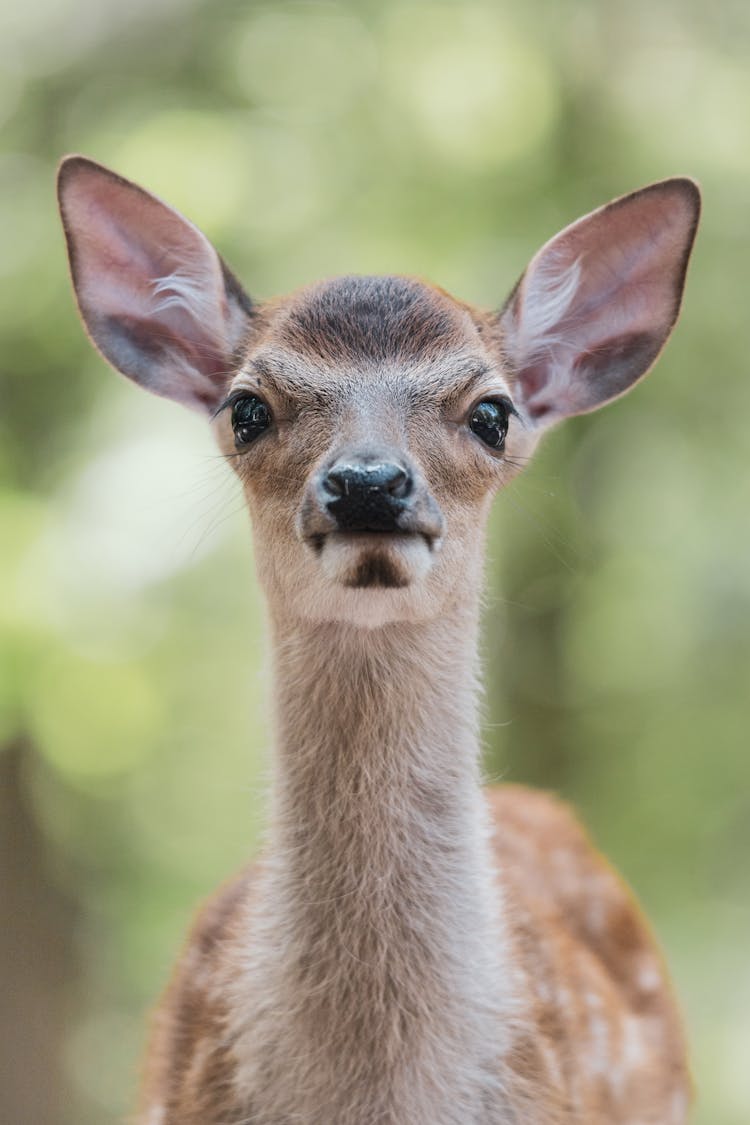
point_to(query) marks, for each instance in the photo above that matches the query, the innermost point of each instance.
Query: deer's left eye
(489, 421)
(250, 417)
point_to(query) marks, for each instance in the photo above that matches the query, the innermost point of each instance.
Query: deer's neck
(380, 947)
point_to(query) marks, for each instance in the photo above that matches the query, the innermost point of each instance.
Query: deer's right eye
(250, 417)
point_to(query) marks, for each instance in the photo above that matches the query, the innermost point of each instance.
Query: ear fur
(598, 302)
(156, 299)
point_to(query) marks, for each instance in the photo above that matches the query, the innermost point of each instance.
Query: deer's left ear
(598, 302)
(157, 300)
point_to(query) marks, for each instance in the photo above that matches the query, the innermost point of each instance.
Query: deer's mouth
(369, 537)
(388, 560)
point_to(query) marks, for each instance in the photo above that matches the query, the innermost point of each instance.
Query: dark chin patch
(376, 570)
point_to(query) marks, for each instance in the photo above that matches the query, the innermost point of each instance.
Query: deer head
(372, 419)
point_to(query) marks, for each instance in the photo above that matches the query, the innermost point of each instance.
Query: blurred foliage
(447, 139)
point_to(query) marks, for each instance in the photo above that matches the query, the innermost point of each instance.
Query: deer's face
(372, 419)
(370, 423)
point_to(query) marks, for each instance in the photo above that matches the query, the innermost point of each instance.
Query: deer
(410, 948)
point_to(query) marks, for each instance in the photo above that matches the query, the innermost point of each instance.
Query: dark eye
(489, 421)
(250, 417)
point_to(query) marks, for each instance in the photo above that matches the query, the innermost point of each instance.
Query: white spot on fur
(634, 1053)
(563, 999)
(649, 977)
(543, 989)
(600, 1058)
(596, 916)
(678, 1108)
(554, 1066)
(593, 1001)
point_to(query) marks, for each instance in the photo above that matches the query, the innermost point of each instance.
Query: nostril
(335, 481)
(397, 481)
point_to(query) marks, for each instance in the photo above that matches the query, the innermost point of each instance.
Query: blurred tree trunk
(37, 963)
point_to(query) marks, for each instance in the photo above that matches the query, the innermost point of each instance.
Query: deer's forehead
(356, 335)
(372, 318)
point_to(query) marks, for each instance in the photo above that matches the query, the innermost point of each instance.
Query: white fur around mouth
(375, 559)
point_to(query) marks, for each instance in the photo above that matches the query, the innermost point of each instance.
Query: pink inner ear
(597, 303)
(150, 286)
(131, 250)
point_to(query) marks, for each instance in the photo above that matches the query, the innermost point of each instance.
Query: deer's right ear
(157, 300)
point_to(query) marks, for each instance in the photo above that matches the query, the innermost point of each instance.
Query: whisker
(220, 519)
(546, 534)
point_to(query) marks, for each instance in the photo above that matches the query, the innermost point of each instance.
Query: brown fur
(409, 951)
(562, 955)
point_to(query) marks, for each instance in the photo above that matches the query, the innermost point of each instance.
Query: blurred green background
(307, 139)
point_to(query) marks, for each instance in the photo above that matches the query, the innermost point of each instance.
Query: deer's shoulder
(549, 861)
(588, 958)
(190, 1064)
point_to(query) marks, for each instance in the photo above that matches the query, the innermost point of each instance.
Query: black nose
(367, 495)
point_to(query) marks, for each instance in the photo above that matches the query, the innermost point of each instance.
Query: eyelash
(234, 397)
